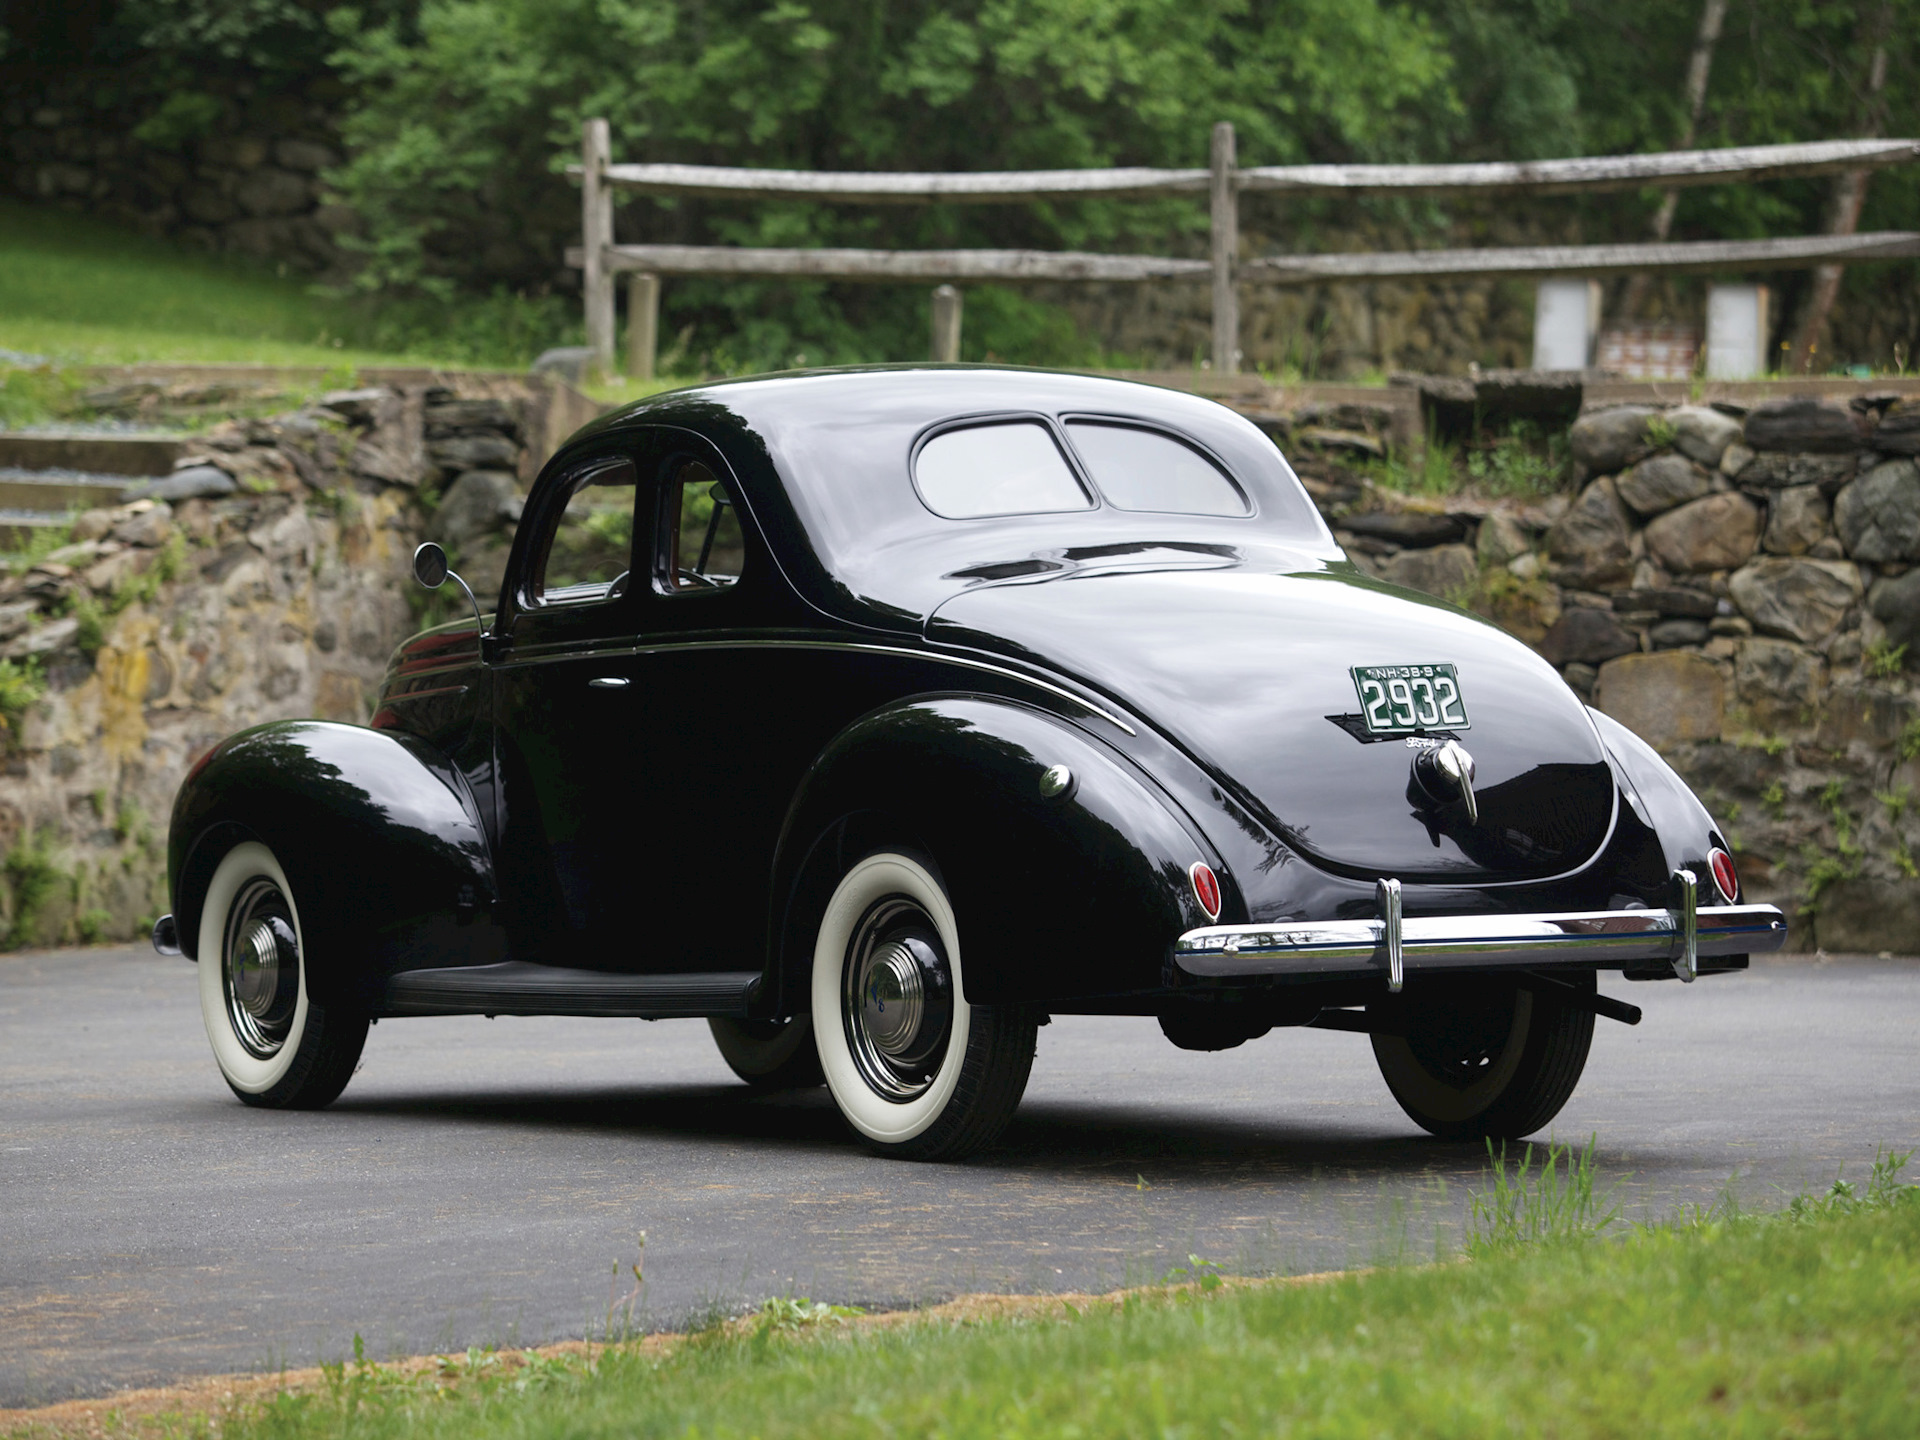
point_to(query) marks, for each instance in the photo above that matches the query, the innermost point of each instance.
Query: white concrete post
(643, 324)
(946, 323)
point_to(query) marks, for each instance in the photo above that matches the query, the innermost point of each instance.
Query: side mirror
(430, 566)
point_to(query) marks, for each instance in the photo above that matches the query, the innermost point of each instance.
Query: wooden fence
(1223, 182)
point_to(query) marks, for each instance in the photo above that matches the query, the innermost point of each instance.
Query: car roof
(824, 458)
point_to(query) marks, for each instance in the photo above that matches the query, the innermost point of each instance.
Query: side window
(700, 531)
(589, 549)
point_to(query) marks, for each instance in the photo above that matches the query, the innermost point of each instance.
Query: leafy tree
(465, 120)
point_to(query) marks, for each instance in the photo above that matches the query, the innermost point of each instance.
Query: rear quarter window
(1010, 468)
(1141, 469)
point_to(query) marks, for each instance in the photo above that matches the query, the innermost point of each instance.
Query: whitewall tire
(274, 1044)
(917, 1070)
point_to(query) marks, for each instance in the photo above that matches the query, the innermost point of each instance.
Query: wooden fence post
(1226, 253)
(946, 323)
(596, 233)
(643, 324)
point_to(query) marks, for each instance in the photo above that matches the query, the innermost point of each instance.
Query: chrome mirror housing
(430, 566)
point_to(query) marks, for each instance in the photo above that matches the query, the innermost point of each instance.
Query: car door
(572, 799)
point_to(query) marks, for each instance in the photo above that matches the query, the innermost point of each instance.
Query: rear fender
(379, 835)
(1071, 895)
(1682, 832)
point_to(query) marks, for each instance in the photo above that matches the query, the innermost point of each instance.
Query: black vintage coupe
(877, 716)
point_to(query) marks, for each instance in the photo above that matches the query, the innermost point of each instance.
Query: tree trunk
(1712, 15)
(1849, 196)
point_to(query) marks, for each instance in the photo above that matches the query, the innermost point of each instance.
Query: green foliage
(35, 544)
(33, 878)
(183, 116)
(1910, 740)
(1883, 661)
(35, 395)
(21, 686)
(782, 1314)
(1203, 1273)
(93, 617)
(1438, 471)
(1661, 431)
(1554, 1204)
(1885, 1191)
(1774, 797)
(1822, 871)
(1525, 461)
(466, 117)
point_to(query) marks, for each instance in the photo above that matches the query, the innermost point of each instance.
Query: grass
(1803, 1322)
(80, 291)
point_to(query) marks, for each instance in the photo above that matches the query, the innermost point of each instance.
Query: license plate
(1410, 699)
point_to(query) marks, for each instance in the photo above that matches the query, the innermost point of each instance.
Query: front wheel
(1487, 1058)
(917, 1071)
(276, 1046)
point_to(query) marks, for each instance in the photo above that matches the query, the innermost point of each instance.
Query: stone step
(17, 527)
(55, 492)
(94, 454)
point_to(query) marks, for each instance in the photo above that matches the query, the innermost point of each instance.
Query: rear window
(1140, 469)
(1014, 468)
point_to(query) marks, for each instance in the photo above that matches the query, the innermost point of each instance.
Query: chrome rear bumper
(1606, 939)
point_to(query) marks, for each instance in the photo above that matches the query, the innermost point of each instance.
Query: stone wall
(1741, 589)
(250, 185)
(264, 579)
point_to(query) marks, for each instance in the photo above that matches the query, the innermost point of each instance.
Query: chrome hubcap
(260, 965)
(898, 1000)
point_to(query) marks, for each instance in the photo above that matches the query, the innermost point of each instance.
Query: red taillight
(1206, 889)
(1724, 877)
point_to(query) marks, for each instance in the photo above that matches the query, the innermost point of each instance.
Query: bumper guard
(1392, 946)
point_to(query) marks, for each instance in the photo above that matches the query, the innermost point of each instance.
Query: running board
(517, 988)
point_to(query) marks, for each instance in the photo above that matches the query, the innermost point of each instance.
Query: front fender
(1074, 896)
(379, 835)
(1665, 804)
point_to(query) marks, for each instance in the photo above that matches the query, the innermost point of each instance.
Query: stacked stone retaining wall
(264, 579)
(1740, 586)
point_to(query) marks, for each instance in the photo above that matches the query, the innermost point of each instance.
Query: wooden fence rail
(1223, 182)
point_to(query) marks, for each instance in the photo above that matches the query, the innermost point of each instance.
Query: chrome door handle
(609, 682)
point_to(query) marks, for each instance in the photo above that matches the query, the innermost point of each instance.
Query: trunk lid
(1250, 672)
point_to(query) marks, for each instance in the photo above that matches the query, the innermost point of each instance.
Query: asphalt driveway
(487, 1181)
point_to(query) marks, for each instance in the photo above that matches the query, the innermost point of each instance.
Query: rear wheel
(917, 1071)
(770, 1054)
(1487, 1058)
(275, 1044)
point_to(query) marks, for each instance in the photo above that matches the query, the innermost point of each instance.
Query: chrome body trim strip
(394, 699)
(1609, 939)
